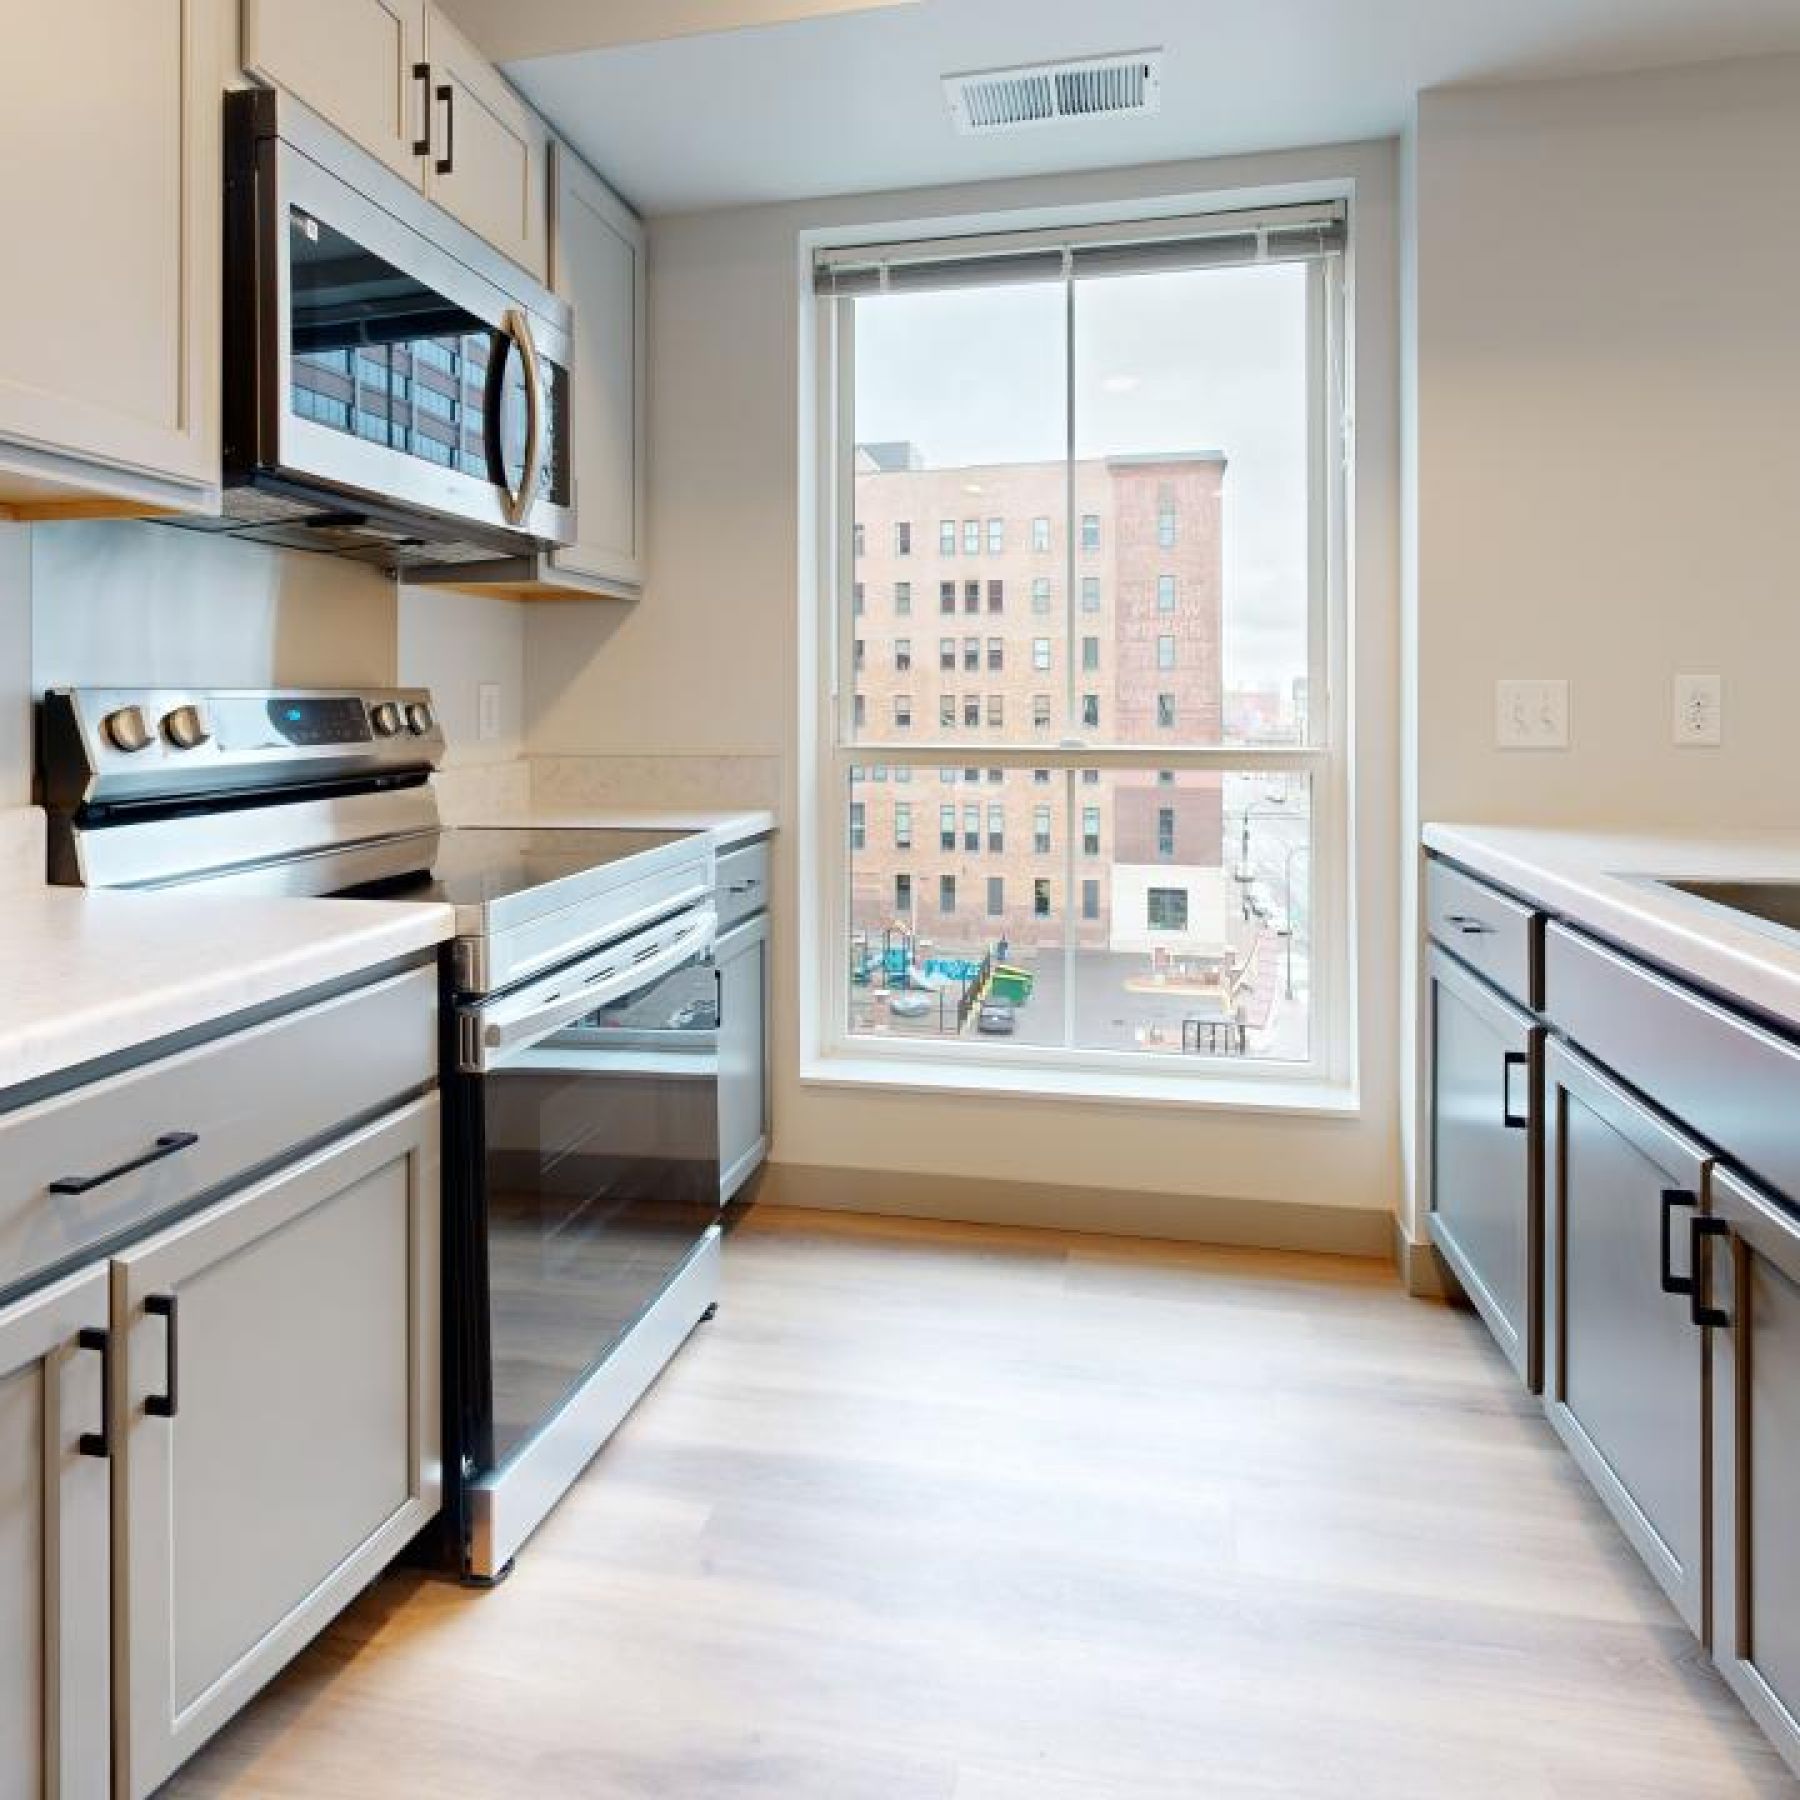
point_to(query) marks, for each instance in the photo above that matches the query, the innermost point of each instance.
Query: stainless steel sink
(1775, 902)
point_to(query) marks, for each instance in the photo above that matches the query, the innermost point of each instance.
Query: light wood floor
(943, 1513)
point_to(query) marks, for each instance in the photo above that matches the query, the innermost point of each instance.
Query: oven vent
(1046, 93)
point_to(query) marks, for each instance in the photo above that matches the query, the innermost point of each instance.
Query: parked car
(909, 1004)
(995, 1019)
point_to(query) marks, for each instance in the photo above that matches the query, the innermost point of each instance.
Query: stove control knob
(125, 730)
(386, 719)
(418, 718)
(185, 727)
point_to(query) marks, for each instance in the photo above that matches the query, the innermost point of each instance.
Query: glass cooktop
(477, 865)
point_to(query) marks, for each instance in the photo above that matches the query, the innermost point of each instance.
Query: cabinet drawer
(242, 1099)
(1734, 1083)
(1487, 929)
(743, 883)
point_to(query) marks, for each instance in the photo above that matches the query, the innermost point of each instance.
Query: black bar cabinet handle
(1514, 1059)
(1699, 1309)
(99, 1443)
(166, 1145)
(1671, 1282)
(422, 75)
(446, 163)
(166, 1404)
(1467, 924)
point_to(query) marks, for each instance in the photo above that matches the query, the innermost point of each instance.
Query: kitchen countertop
(87, 975)
(727, 826)
(1595, 878)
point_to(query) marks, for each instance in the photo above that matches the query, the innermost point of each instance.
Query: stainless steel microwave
(396, 390)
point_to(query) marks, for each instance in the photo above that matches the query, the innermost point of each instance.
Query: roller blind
(1210, 241)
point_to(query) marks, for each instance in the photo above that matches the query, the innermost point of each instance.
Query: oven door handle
(490, 1035)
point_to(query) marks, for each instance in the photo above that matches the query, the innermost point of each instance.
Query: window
(1208, 609)
(859, 710)
(859, 539)
(856, 600)
(858, 654)
(902, 894)
(857, 833)
(903, 599)
(1166, 909)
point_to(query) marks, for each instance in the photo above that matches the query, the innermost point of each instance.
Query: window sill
(1274, 1095)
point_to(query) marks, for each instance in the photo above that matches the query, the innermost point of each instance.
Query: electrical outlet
(1699, 709)
(1531, 715)
(487, 711)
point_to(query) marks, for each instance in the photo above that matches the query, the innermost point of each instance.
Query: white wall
(1608, 465)
(707, 664)
(452, 643)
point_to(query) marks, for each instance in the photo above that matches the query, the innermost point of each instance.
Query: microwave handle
(520, 501)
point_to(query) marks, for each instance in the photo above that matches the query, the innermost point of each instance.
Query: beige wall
(15, 665)
(1608, 471)
(452, 643)
(708, 663)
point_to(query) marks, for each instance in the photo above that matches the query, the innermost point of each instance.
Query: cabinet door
(1624, 1381)
(357, 63)
(109, 315)
(1486, 1157)
(1752, 1279)
(743, 959)
(597, 265)
(54, 1579)
(489, 155)
(277, 1422)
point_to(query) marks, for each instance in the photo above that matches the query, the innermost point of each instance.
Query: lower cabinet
(276, 1425)
(1625, 1362)
(1486, 1204)
(1749, 1291)
(742, 955)
(54, 1530)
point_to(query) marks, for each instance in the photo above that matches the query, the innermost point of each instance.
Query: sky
(1209, 359)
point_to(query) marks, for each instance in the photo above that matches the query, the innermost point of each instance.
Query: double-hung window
(1186, 527)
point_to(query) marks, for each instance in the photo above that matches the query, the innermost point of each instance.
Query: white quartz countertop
(1599, 879)
(727, 826)
(86, 975)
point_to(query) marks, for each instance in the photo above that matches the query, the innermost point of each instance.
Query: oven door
(595, 1134)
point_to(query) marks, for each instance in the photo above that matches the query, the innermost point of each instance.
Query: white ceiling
(851, 103)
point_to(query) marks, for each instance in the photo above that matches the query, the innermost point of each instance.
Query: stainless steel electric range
(580, 1040)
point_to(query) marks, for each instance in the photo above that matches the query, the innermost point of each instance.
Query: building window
(947, 711)
(1090, 899)
(1090, 531)
(902, 654)
(903, 599)
(1090, 654)
(972, 711)
(971, 537)
(972, 654)
(1166, 909)
(1165, 712)
(859, 710)
(1165, 523)
(1090, 711)
(996, 596)
(858, 655)
(996, 827)
(996, 654)
(903, 712)
(1040, 653)
(1040, 830)
(902, 826)
(946, 893)
(946, 537)
(857, 831)
(947, 654)
(947, 596)
(1090, 777)
(856, 600)
(947, 827)
(996, 896)
(903, 894)
(996, 536)
(971, 596)
(1165, 593)
(1040, 898)
(1165, 833)
(996, 711)
(859, 535)
(971, 828)
(1090, 593)
(1165, 652)
(903, 537)
(1040, 534)
(1090, 831)
(1040, 712)
(995, 777)
(1040, 594)
(1040, 777)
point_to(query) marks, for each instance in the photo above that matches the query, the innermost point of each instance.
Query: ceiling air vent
(1044, 93)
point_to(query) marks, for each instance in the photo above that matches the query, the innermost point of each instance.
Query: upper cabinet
(109, 320)
(396, 77)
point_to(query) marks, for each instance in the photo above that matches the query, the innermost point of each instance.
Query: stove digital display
(309, 719)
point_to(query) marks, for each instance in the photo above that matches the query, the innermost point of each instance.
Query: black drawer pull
(1514, 1059)
(99, 1443)
(1700, 1291)
(1467, 924)
(1671, 1282)
(166, 1145)
(166, 1404)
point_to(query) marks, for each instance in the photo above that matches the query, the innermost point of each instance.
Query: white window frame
(830, 1053)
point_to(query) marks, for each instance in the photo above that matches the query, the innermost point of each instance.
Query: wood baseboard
(1423, 1273)
(1187, 1218)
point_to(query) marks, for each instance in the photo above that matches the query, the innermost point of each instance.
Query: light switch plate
(1531, 715)
(1699, 710)
(487, 711)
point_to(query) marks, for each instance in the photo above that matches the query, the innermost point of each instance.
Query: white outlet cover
(1531, 715)
(1699, 712)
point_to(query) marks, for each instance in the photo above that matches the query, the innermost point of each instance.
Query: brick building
(966, 634)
